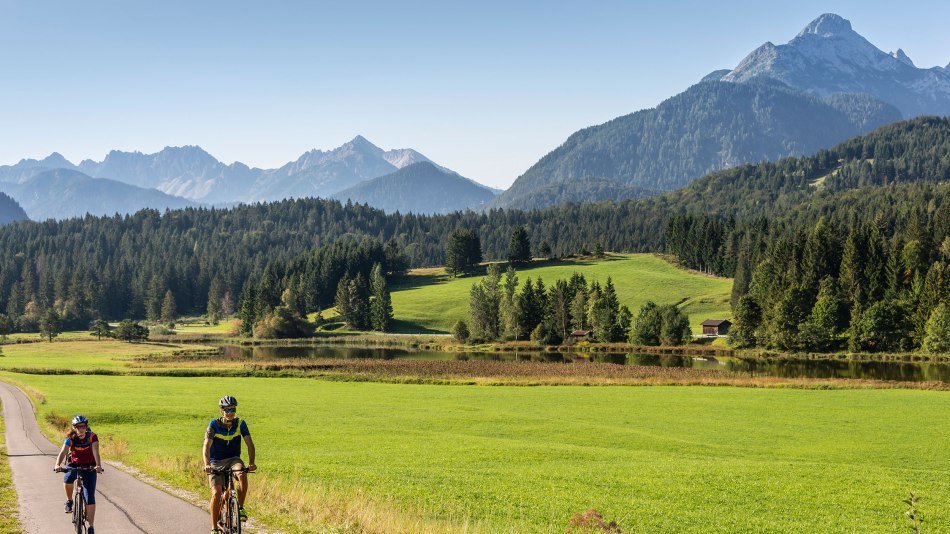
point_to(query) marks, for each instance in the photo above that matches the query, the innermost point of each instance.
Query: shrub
(460, 331)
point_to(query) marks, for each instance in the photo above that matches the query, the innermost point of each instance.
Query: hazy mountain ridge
(192, 173)
(64, 193)
(421, 187)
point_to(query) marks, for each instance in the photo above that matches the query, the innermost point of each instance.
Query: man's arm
(206, 454)
(250, 453)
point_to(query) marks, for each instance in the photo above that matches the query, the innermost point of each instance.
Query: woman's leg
(89, 492)
(69, 491)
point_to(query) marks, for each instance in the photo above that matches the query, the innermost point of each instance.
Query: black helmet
(227, 400)
(80, 419)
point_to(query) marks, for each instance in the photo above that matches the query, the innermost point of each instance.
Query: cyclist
(222, 449)
(82, 445)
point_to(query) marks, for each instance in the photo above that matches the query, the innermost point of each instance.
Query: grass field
(9, 518)
(391, 457)
(85, 355)
(430, 301)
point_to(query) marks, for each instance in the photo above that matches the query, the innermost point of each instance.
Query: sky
(485, 88)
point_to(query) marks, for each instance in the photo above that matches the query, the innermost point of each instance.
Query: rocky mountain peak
(827, 25)
(899, 55)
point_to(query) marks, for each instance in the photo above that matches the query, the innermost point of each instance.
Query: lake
(781, 367)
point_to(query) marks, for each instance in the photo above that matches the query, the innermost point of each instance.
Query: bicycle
(230, 518)
(79, 498)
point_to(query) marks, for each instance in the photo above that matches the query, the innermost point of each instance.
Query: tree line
(503, 309)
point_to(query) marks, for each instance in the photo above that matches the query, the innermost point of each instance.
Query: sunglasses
(80, 427)
(228, 410)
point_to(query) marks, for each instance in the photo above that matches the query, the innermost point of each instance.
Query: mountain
(829, 57)
(28, 168)
(710, 126)
(192, 173)
(824, 86)
(10, 211)
(186, 171)
(64, 193)
(419, 188)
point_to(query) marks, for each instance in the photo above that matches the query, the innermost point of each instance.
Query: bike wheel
(79, 512)
(234, 514)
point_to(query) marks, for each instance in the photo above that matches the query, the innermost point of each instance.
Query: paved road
(124, 504)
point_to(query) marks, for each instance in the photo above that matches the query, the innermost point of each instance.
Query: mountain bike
(79, 498)
(229, 519)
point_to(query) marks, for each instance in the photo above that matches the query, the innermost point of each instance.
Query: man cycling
(222, 450)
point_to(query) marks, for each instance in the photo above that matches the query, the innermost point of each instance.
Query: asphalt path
(124, 504)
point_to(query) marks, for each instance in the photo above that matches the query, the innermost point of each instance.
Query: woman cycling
(82, 445)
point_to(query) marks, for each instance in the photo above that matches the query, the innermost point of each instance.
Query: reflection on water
(786, 368)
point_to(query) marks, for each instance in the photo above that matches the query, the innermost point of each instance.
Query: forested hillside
(10, 211)
(116, 266)
(708, 127)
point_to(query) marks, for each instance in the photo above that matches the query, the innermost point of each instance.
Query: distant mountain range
(64, 193)
(184, 176)
(420, 188)
(10, 211)
(824, 86)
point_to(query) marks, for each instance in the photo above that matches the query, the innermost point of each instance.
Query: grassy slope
(652, 458)
(431, 301)
(9, 519)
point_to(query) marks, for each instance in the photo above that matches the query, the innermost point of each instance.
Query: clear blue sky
(485, 88)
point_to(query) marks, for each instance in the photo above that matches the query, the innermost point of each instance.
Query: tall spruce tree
(519, 248)
(463, 252)
(381, 305)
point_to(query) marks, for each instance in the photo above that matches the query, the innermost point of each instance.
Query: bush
(160, 330)
(460, 331)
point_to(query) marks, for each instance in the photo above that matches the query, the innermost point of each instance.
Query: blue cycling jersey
(226, 442)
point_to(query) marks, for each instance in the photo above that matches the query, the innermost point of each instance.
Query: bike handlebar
(65, 469)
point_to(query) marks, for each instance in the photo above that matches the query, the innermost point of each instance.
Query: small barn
(578, 335)
(716, 327)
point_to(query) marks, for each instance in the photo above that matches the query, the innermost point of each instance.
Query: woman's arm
(95, 454)
(60, 456)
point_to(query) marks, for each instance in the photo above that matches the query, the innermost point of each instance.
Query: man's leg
(242, 486)
(69, 491)
(91, 514)
(216, 494)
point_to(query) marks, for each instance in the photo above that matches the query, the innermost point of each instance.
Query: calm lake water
(786, 368)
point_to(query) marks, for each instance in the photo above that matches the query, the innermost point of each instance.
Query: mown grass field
(86, 354)
(430, 301)
(396, 457)
(9, 518)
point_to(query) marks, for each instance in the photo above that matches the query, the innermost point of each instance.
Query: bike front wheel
(79, 513)
(234, 515)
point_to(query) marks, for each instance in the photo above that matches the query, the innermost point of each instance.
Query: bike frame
(79, 498)
(229, 517)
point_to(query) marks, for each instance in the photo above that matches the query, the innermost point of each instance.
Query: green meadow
(364, 456)
(431, 301)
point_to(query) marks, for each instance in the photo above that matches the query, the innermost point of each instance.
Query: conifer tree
(50, 324)
(381, 306)
(508, 306)
(169, 308)
(213, 308)
(519, 248)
